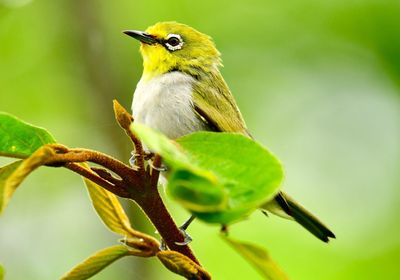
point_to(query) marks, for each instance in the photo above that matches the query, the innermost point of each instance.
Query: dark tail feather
(306, 219)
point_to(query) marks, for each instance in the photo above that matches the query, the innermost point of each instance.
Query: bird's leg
(264, 212)
(163, 245)
(162, 168)
(147, 155)
(224, 230)
(183, 228)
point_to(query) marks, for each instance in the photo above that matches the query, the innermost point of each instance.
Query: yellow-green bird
(182, 91)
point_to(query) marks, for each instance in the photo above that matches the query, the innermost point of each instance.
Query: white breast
(165, 103)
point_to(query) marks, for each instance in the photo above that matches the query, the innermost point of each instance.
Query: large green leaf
(221, 177)
(20, 139)
(249, 172)
(197, 188)
(97, 262)
(259, 258)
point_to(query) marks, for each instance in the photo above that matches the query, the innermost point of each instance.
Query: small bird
(182, 91)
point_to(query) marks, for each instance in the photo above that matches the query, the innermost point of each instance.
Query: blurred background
(317, 81)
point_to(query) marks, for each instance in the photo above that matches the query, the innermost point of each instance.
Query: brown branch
(139, 185)
(82, 155)
(118, 190)
(103, 173)
(158, 214)
(142, 189)
(155, 172)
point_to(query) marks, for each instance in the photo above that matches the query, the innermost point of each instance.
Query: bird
(182, 91)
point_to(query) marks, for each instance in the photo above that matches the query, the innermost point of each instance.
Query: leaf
(251, 174)
(20, 139)
(202, 198)
(6, 172)
(171, 152)
(220, 177)
(191, 181)
(182, 265)
(109, 209)
(20, 170)
(97, 262)
(259, 258)
(1, 272)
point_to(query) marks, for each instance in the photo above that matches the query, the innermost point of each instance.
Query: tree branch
(138, 184)
(88, 174)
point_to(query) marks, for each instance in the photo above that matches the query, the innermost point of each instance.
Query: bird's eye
(173, 42)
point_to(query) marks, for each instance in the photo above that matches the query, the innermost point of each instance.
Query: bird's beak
(141, 36)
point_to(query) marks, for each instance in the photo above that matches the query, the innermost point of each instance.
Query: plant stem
(158, 214)
(97, 179)
(142, 189)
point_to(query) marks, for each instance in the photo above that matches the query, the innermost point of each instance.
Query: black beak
(141, 36)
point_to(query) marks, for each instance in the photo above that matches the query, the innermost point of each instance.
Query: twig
(125, 120)
(139, 184)
(97, 179)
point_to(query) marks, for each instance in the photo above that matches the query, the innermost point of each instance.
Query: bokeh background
(317, 81)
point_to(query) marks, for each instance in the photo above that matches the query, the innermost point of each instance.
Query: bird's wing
(215, 104)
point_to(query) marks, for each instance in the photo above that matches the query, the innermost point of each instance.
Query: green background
(318, 83)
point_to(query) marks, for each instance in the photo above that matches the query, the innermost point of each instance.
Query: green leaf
(13, 175)
(182, 265)
(259, 258)
(196, 192)
(97, 262)
(1, 272)
(20, 139)
(249, 172)
(171, 152)
(109, 209)
(220, 177)
(201, 186)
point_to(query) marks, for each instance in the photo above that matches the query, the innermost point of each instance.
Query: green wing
(215, 104)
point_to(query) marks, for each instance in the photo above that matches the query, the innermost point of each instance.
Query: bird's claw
(163, 245)
(132, 159)
(161, 168)
(187, 238)
(146, 154)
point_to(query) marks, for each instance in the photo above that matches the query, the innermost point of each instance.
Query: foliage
(23, 139)
(220, 177)
(218, 183)
(259, 258)
(96, 263)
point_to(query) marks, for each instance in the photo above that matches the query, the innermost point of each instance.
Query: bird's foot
(163, 245)
(187, 238)
(224, 230)
(162, 168)
(147, 155)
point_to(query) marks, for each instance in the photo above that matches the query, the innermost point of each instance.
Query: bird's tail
(285, 206)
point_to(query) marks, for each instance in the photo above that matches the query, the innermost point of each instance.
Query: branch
(136, 183)
(88, 174)
(125, 120)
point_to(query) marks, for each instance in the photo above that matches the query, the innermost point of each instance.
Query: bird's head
(171, 46)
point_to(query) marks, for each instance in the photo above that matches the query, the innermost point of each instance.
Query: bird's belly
(165, 104)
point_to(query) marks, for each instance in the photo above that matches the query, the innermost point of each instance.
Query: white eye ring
(176, 47)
